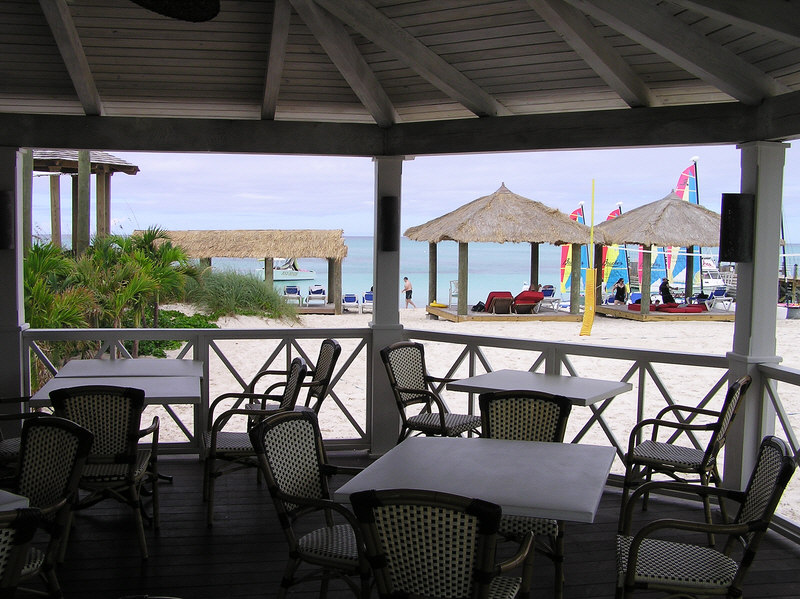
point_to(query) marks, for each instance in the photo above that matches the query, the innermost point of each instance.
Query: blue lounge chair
(366, 301)
(350, 302)
(291, 293)
(317, 293)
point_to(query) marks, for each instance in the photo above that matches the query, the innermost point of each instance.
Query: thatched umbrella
(669, 221)
(498, 218)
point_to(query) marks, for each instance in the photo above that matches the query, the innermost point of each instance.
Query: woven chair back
(329, 352)
(289, 446)
(405, 365)
(774, 467)
(524, 416)
(52, 454)
(112, 414)
(730, 407)
(423, 543)
(17, 528)
(294, 380)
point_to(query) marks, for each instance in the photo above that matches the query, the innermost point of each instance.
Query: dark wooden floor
(244, 553)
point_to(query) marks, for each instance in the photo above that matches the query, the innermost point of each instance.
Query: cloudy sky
(214, 191)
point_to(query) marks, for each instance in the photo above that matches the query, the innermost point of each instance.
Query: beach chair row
(317, 294)
(352, 303)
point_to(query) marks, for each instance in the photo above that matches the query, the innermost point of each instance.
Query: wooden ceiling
(410, 76)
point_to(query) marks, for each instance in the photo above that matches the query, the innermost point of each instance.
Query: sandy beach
(247, 357)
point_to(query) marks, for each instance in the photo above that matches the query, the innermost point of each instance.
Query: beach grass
(225, 293)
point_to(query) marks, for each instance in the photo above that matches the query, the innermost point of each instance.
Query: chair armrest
(699, 490)
(261, 374)
(241, 395)
(333, 469)
(525, 547)
(151, 430)
(690, 409)
(655, 423)
(13, 400)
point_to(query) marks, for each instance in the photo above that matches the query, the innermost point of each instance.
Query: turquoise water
(492, 267)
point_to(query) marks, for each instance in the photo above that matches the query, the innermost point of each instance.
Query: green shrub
(226, 293)
(171, 319)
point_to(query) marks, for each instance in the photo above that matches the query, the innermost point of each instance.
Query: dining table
(581, 391)
(11, 501)
(165, 382)
(560, 481)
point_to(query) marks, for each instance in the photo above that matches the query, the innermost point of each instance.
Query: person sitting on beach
(620, 292)
(666, 293)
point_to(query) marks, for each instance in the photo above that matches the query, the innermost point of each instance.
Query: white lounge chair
(719, 296)
(291, 293)
(366, 301)
(350, 302)
(550, 299)
(317, 294)
(452, 299)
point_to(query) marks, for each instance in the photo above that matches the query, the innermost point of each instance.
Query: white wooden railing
(659, 378)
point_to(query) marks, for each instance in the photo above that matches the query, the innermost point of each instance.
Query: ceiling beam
(341, 49)
(727, 123)
(659, 31)
(370, 22)
(277, 52)
(778, 19)
(69, 45)
(580, 34)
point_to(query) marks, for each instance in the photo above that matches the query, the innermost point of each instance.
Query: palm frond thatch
(261, 243)
(499, 218)
(669, 221)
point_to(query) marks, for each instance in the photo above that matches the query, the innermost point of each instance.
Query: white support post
(12, 311)
(756, 300)
(386, 328)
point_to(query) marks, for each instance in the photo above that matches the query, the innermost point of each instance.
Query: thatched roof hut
(269, 244)
(500, 217)
(261, 243)
(669, 221)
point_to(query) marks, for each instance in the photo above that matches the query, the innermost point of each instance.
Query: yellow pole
(588, 307)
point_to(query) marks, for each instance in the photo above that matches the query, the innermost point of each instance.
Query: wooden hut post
(81, 232)
(534, 278)
(269, 277)
(27, 200)
(432, 272)
(599, 276)
(644, 284)
(463, 276)
(55, 210)
(103, 201)
(688, 280)
(335, 284)
(575, 280)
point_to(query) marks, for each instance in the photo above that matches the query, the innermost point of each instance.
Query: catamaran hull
(293, 275)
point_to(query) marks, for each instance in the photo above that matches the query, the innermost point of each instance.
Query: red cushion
(497, 294)
(683, 310)
(635, 307)
(528, 297)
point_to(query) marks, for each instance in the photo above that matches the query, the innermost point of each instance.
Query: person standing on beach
(407, 290)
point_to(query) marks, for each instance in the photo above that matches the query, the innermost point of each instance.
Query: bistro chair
(228, 450)
(292, 459)
(321, 375)
(437, 545)
(117, 466)
(9, 445)
(529, 416)
(646, 561)
(412, 385)
(17, 528)
(53, 452)
(677, 461)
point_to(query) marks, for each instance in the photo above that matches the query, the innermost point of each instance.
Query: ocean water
(492, 267)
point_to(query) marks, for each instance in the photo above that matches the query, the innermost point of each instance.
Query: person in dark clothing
(666, 293)
(620, 292)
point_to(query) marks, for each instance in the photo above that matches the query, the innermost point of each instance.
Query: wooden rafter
(383, 32)
(339, 46)
(69, 45)
(277, 53)
(579, 33)
(677, 42)
(776, 18)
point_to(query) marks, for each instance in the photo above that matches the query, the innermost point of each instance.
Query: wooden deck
(452, 315)
(244, 554)
(623, 312)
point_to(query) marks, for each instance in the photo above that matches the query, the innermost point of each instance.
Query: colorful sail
(566, 256)
(615, 259)
(676, 257)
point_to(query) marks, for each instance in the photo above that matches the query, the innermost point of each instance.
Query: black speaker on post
(389, 223)
(736, 227)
